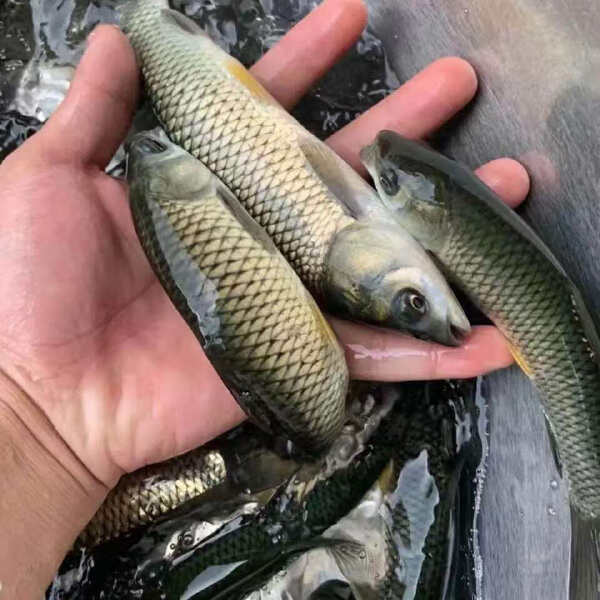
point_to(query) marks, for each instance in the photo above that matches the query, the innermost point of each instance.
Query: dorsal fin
(353, 192)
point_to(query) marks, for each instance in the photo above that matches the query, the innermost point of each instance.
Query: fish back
(211, 106)
(536, 307)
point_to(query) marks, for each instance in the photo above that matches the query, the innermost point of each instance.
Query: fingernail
(97, 29)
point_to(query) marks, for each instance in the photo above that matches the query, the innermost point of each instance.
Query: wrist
(47, 496)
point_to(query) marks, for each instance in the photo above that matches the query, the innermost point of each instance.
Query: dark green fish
(410, 462)
(237, 467)
(508, 272)
(259, 327)
(296, 188)
(419, 503)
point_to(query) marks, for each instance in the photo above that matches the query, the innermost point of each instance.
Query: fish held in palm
(508, 272)
(297, 189)
(257, 324)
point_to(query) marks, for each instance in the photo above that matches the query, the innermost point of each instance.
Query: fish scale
(253, 148)
(529, 297)
(144, 496)
(256, 322)
(508, 272)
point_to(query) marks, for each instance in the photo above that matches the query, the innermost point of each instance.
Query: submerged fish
(302, 194)
(408, 543)
(154, 491)
(237, 466)
(398, 552)
(257, 324)
(508, 272)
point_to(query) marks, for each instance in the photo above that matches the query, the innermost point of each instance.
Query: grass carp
(256, 322)
(148, 494)
(509, 273)
(409, 464)
(296, 188)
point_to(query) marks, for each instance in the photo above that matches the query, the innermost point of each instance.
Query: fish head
(414, 190)
(163, 170)
(377, 273)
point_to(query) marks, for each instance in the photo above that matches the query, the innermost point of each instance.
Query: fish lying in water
(256, 322)
(153, 491)
(508, 272)
(237, 467)
(304, 196)
(396, 540)
(284, 523)
(411, 555)
(238, 555)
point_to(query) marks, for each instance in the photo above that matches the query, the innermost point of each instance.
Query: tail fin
(585, 557)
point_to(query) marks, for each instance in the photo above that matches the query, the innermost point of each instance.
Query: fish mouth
(456, 331)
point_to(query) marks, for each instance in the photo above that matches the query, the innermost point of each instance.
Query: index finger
(310, 49)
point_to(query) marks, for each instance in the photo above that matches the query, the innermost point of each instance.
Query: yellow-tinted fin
(237, 70)
(521, 361)
(386, 479)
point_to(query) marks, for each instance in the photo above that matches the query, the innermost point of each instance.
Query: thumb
(94, 118)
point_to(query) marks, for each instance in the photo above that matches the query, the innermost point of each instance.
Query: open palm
(86, 331)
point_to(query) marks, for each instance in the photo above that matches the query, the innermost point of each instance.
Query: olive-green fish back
(534, 305)
(211, 106)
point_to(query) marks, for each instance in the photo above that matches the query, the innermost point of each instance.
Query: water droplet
(554, 484)
(551, 511)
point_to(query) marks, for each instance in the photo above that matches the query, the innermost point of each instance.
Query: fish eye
(150, 145)
(389, 181)
(410, 304)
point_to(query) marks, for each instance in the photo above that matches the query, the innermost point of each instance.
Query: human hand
(87, 332)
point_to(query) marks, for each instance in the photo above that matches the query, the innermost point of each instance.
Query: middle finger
(415, 110)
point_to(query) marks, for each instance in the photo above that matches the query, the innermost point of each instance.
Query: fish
(245, 553)
(246, 548)
(257, 324)
(239, 464)
(408, 465)
(508, 272)
(402, 531)
(152, 492)
(296, 188)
